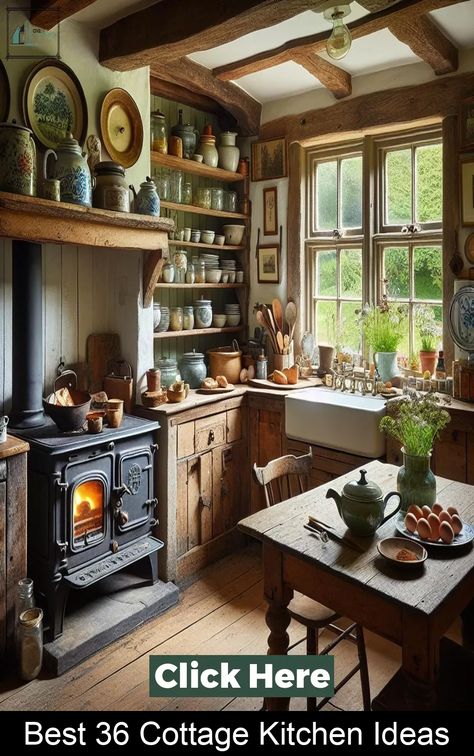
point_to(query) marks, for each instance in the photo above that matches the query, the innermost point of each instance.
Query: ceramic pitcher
(73, 173)
(146, 201)
(229, 153)
(17, 159)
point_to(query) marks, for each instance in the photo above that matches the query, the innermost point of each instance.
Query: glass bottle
(187, 193)
(24, 600)
(30, 643)
(440, 366)
(176, 187)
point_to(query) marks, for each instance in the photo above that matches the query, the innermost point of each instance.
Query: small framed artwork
(467, 191)
(466, 121)
(269, 159)
(268, 262)
(270, 211)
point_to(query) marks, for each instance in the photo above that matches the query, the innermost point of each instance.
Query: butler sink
(346, 422)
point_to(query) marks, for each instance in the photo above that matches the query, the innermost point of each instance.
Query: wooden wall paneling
(182, 508)
(3, 556)
(194, 509)
(86, 305)
(16, 537)
(52, 312)
(69, 304)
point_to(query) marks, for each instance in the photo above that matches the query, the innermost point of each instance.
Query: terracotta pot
(428, 361)
(114, 412)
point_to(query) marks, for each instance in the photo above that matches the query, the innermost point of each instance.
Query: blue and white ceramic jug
(146, 202)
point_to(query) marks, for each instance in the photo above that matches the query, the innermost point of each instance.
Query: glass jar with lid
(168, 272)
(159, 132)
(203, 313)
(176, 318)
(162, 181)
(192, 368)
(180, 260)
(30, 643)
(190, 273)
(188, 317)
(200, 272)
(168, 370)
(217, 198)
(187, 193)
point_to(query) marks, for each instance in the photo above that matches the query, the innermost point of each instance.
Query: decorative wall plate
(4, 94)
(469, 248)
(54, 104)
(461, 320)
(121, 127)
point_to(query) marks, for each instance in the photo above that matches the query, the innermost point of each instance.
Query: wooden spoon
(261, 320)
(271, 319)
(291, 315)
(280, 341)
(278, 313)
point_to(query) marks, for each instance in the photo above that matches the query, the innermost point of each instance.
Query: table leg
(420, 651)
(278, 596)
(467, 616)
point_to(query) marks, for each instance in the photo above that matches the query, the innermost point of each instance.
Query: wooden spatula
(291, 315)
(278, 313)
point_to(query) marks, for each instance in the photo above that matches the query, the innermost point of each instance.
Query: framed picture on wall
(466, 121)
(269, 159)
(270, 211)
(268, 263)
(467, 191)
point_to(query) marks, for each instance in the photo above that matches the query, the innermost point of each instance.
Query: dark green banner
(270, 676)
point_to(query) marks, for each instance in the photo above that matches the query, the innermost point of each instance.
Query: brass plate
(121, 127)
(469, 248)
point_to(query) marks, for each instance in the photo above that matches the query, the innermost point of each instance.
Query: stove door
(135, 471)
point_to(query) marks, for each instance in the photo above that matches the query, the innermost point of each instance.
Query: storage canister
(159, 134)
(188, 318)
(207, 148)
(110, 188)
(176, 318)
(226, 361)
(168, 369)
(192, 368)
(203, 313)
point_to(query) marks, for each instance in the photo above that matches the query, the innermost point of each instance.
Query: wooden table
(413, 608)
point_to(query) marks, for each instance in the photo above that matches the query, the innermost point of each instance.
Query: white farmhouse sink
(347, 422)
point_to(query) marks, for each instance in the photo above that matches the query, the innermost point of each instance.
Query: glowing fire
(88, 508)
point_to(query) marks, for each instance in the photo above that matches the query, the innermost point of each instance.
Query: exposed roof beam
(339, 82)
(373, 6)
(171, 29)
(427, 41)
(186, 96)
(405, 11)
(47, 13)
(190, 75)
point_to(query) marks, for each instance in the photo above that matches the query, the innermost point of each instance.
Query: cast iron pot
(68, 418)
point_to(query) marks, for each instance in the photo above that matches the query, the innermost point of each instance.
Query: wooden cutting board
(101, 348)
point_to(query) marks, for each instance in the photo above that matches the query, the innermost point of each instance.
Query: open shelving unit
(195, 168)
(196, 332)
(165, 204)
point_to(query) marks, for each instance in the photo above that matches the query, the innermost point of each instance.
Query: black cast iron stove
(90, 508)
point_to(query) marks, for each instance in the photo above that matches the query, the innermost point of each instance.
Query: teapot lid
(69, 143)
(362, 489)
(148, 183)
(157, 114)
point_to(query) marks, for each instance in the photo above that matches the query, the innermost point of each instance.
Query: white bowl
(219, 239)
(234, 233)
(233, 320)
(213, 275)
(219, 320)
(198, 158)
(207, 237)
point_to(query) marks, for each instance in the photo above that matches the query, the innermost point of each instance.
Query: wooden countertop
(13, 446)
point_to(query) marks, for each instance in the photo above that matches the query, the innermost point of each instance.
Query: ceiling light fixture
(339, 43)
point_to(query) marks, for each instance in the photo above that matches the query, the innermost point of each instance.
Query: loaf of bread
(209, 383)
(63, 398)
(222, 381)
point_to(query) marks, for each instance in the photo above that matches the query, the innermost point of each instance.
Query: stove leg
(57, 600)
(153, 560)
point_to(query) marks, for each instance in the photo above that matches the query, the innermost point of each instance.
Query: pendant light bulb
(339, 43)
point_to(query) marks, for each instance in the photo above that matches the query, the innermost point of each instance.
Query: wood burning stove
(91, 508)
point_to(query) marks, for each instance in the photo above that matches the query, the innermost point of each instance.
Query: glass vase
(416, 482)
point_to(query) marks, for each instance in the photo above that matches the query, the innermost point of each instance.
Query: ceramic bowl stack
(164, 323)
(232, 312)
(211, 263)
(228, 268)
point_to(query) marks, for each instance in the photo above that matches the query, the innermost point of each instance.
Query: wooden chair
(281, 479)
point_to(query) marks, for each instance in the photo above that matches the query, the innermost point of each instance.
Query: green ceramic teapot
(362, 505)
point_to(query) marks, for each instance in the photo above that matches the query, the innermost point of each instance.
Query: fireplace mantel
(42, 221)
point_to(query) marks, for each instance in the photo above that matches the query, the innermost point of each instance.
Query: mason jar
(192, 368)
(180, 260)
(187, 193)
(159, 132)
(168, 369)
(217, 199)
(30, 643)
(203, 313)
(176, 187)
(176, 318)
(203, 197)
(190, 273)
(230, 202)
(200, 272)
(188, 318)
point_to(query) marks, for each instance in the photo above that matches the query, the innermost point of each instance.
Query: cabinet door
(182, 508)
(230, 500)
(449, 455)
(199, 500)
(266, 443)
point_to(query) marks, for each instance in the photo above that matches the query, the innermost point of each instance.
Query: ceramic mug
(51, 189)
(114, 412)
(3, 428)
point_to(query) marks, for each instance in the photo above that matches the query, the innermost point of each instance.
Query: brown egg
(452, 510)
(445, 517)
(416, 511)
(446, 532)
(411, 522)
(456, 524)
(426, 511)
(437, 509)
(434, 524)
(424, 529)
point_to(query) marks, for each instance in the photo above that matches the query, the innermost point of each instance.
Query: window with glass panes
(374, 215)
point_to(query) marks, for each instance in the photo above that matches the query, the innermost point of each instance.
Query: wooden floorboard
(222, 611)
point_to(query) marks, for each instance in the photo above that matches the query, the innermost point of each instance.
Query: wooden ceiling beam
(338, 82)
(435, 99)
(189, 75)
(374, 6)
(171, 29)
(427, 41)
(170, 91)
(404, 11)
(48, 13)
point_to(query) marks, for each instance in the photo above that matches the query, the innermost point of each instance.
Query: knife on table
(316, 527)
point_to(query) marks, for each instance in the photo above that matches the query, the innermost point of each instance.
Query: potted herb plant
(416, 421)
(384, 326)
(430, 334)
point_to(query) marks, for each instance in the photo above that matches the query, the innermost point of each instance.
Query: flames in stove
(88, 512)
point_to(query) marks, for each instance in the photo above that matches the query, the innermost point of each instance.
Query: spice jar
(24, 600)
(30, 643)
(190, 273)
(200, 272)
(176, 318)
(261, 367)
(168, 369)
(192, 368)
(188, 318)
(159, 134)
(203, 313)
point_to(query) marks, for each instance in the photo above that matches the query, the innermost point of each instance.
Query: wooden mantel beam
(404, 11)
(427, 41)
(171, 29)
(335, 79)
(47, 13)
(192, 76)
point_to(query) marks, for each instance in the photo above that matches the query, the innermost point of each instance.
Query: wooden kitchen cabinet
(327, 463)
(266, 438)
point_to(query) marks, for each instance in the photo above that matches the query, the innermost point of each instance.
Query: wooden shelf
(162, 285)
(201, 245)
(201, 210)
(197, 169)
(196, 332)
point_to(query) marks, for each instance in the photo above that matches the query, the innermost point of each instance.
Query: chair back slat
(284, 477)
